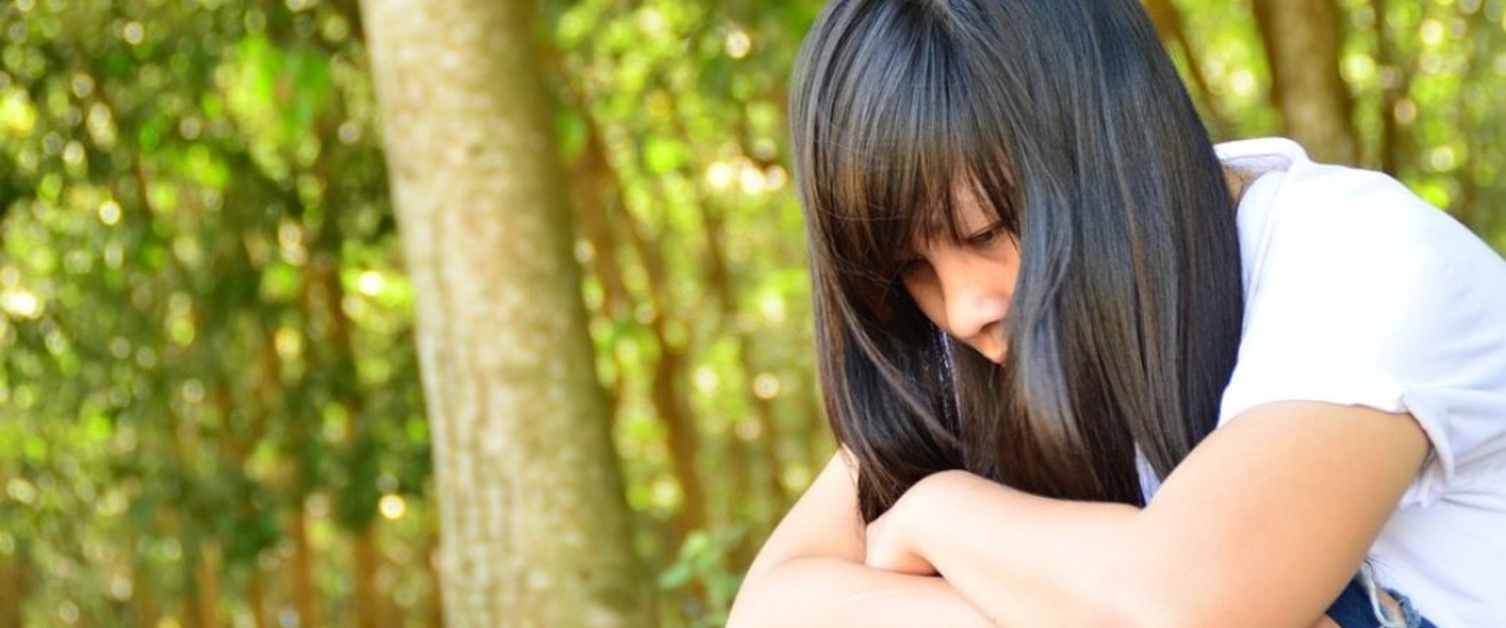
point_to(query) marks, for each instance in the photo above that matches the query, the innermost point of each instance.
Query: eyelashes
(987, 235)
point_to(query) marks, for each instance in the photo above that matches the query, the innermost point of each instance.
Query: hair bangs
(907, 136)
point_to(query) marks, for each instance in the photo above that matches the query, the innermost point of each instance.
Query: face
(965, 287)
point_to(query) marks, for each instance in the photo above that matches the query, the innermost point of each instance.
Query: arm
(811, 572)
(1262, 524)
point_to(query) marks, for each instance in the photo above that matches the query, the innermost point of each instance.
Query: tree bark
(535, 530)
(206, 575)
(1302, 40)
(305, 588)
(13, 572)
(1395, 83)
(1169, 23)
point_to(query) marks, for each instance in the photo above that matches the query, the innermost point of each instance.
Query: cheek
(926, 293)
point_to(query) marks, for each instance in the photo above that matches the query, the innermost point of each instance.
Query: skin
(965, 287)
(1262, 525)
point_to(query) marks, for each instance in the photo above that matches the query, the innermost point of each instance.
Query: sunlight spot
(706, 379)
(664, 493)
(112, 504)
(289, 343)
(335, 28)
(1443, 159)
(101, 124)
(1243, 83)
(68, 612)
(109, 213)
(1359, 68)
(317, 505)
(193, 391)
(290, 240)
(146, 358)
(1405, 112)
(738, 44)
(719, 175)
(772, 307)
(392, 506)
(1431, 32)
(16, 112)
(120, 588)
(21, 304)
(371, 283)
(584, 251)
(21, 491)
(765, 149)
(751, 180)
(776, 178)
(114, 254)
(748, 429)
(133, 33)
(83, 85)
(349, 132)
(652, 22)
(766, 386)
(797, 475)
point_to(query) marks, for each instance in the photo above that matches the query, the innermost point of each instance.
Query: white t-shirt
(1357, 292)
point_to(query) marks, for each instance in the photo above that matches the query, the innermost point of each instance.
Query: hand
(889, 548)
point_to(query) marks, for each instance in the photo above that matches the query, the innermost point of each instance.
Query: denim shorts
(1358, 606)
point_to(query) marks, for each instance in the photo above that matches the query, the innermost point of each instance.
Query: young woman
(1088, 369)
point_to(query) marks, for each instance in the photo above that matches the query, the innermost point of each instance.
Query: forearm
(1025, 560)
(830, 592)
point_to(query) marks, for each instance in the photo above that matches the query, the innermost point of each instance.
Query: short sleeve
(1358, 293)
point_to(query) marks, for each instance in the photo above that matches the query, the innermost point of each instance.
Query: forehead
(965, 208)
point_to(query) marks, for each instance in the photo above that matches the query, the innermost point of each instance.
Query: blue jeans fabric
(1357, 607)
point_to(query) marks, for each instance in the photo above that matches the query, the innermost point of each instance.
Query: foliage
(210, 400)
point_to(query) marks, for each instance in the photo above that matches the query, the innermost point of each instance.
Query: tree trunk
(305, 592)
(206, 576)
(1395, 83)
(256, 596)
(1302, 40)
(13, 570)
(1173, 30)
(367, 561)
(535, 530)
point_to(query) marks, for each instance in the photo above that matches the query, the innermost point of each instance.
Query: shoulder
(1357, 292)
(1308, 227)
(1347, 267)
(1298, 200)
(1361, 294)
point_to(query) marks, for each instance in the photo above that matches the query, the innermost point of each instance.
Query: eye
(987, 235)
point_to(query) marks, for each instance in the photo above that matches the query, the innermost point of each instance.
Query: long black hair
(1071, 123)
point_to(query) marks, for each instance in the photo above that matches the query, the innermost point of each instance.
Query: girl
(1092, 370)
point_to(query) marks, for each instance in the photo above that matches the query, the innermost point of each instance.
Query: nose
(975, 293)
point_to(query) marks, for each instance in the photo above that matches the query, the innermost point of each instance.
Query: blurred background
(210, 406)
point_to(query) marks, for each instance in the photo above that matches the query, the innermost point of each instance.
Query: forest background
(211, 410)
